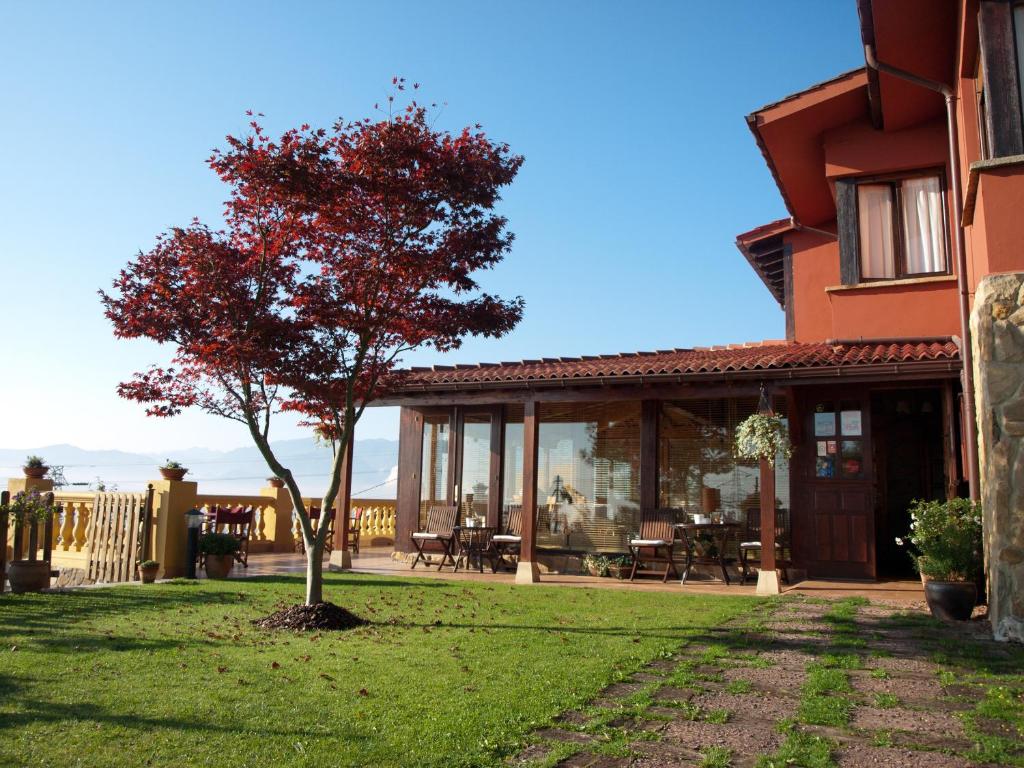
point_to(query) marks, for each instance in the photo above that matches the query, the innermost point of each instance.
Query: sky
(640, 169)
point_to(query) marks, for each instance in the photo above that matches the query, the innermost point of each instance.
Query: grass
(716, 757)
(886, 700)
(452, 674)
(800, 749)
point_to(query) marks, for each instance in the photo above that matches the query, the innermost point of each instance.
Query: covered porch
(589, 445)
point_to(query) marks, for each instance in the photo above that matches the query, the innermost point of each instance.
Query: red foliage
(341, 249)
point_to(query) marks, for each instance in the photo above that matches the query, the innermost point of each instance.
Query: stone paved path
(797, 682)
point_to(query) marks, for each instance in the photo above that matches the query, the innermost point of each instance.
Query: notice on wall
(822, 448)
(824, 424)
(851, 423)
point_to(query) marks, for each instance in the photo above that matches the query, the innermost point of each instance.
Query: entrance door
(837, 514)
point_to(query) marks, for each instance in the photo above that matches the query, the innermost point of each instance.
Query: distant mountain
(242, 470)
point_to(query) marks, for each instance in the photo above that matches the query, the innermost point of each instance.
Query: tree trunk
(314, 574)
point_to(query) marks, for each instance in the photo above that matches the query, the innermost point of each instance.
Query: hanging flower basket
(763, 436)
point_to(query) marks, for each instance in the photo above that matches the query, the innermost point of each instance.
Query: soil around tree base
(306, 618)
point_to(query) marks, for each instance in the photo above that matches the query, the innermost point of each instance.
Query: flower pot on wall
(275, 482)
(28, 575)
(219, 566)
(36, 473)
(149, 574)
(951, 600)
(173, 474)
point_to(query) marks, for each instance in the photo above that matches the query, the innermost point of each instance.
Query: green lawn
(448, 674)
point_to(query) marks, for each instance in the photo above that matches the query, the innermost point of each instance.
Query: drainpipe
(966, 354)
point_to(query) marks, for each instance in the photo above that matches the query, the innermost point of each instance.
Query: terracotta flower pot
(28, 575)
(275, 482)
(951, 600)
(219, 566)
(36, 473)
(172, 474)
(149, 574)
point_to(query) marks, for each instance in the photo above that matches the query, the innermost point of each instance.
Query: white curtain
(922, 226)
(874, 203)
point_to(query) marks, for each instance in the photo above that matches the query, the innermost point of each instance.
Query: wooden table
(475, 544)
(719, 534)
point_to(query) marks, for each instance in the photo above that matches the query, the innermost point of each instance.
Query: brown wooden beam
(949, 452)
(495, 492)
(649, 454)
(340, 556)
(527, 571)
(767, 576)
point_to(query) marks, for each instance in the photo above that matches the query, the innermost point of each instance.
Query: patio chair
(438, 536)
(751, 544)
(354, 526)
(507, 544)
(314, 520)
(237, 523)
(655, 544)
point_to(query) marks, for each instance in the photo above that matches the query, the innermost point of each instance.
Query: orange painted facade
(863, 125)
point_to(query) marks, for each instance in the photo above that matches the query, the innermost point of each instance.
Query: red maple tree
(340, 250)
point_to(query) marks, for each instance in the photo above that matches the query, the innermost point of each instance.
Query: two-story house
(903, 183)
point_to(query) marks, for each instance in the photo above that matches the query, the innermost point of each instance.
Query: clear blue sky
(639, 170)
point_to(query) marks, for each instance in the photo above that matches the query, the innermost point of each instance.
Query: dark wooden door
(836, 514)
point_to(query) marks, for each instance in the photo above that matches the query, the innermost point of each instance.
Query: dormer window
(892, 228)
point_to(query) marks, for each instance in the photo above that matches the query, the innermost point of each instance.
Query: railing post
(278, 520)
(172, 499)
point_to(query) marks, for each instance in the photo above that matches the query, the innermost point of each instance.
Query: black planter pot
(951, 600)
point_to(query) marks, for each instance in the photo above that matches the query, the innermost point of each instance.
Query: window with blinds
(512, 461)
(588, 475)
(434, 468)
(697, 469)
(476, 465)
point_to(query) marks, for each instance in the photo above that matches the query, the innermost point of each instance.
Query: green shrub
(945, 537)
(218, 544)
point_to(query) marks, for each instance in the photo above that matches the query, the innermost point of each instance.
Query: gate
(118, 535)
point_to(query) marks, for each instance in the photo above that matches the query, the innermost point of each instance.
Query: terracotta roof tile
(766, 356)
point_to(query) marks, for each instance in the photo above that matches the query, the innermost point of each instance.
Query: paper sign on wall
(824, 424)
(851, 422)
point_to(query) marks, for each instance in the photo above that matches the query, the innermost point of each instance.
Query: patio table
(719, 534)
(475, 544)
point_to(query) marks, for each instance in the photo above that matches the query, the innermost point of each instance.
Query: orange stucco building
(904, 185)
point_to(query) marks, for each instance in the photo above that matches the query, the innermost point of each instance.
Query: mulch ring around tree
(306, 618)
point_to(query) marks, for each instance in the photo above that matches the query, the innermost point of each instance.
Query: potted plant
(25, 510)
(219, 551)
(619, 566)
(276, 482)
(148, 570)
(596, 565)
(35, 467)
(763, 436)
(946, 549)
(173, 470)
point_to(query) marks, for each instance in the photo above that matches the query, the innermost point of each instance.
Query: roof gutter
(966, 354)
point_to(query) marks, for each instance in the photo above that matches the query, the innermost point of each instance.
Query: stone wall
(997, 330)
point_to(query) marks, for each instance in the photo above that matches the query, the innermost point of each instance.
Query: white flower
(899, 541)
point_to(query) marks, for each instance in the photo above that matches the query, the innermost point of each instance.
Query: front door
(836, 516)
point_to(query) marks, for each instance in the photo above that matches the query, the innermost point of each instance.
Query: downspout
(966, 354)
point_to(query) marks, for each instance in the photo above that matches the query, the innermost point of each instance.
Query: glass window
(512, 461)
(901, 228)
(588, 476)
(875, 204)
(697, 469)
(923, 237)
(434, 469)
(476, 465)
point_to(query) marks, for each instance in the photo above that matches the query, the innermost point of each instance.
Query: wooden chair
(751, 544)
(438, 537)
(507, 544)
(237, 523)
(353, 530)
(314, 520)
(655, 544)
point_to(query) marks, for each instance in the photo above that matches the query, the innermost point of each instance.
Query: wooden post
(528, 572)
(495, 490)
(767, 574)
(4, 499)
(949, 440)
(341, 558)
(648, 455)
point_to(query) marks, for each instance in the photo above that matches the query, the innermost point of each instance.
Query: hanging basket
(763, 436)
